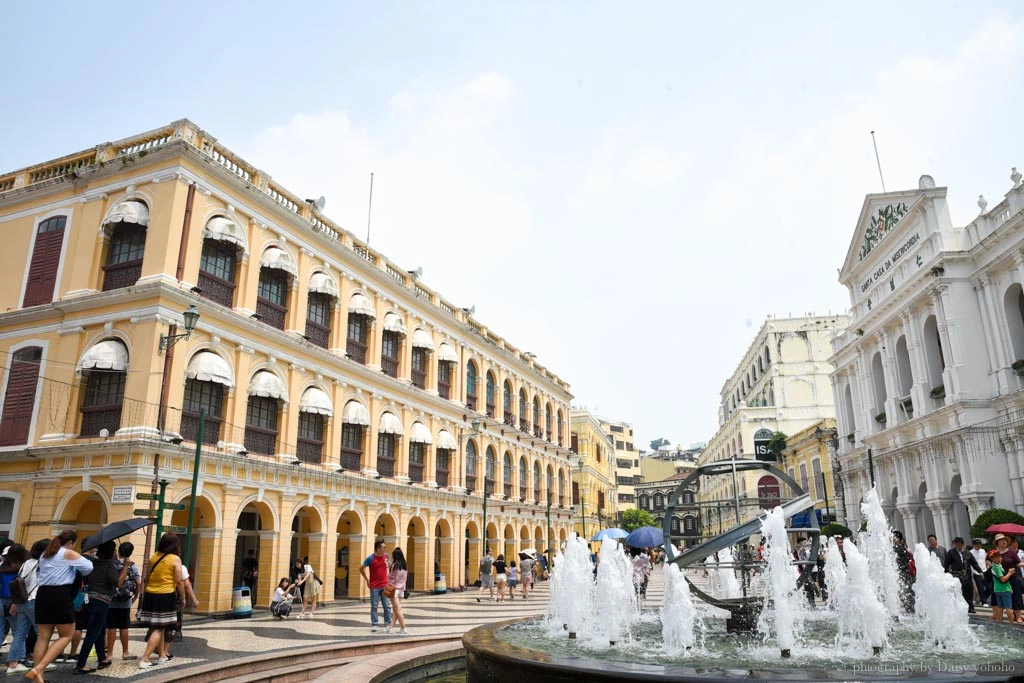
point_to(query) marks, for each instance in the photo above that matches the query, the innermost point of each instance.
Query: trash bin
(241, 603)
(439, 584)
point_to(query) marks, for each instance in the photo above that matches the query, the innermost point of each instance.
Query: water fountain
(861, 632)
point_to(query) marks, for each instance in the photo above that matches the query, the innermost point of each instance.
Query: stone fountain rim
(483, 648)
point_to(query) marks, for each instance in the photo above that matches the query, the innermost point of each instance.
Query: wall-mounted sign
(893, 259)
(122, 494)
(763, 437)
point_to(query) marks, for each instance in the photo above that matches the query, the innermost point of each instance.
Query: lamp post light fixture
(191, 317)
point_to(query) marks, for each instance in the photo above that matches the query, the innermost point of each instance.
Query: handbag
(389, 591)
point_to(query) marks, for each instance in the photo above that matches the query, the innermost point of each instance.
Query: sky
(625, 189)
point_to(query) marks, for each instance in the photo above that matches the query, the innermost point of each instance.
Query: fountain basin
(521, 650)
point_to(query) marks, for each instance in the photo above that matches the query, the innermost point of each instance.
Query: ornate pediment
(882, 222)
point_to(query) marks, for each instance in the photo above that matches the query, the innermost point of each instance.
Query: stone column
(989, 322)
(909, 512)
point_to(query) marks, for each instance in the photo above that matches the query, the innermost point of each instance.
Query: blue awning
(802, 520)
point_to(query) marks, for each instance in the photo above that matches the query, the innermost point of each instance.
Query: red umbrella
(1011, 529)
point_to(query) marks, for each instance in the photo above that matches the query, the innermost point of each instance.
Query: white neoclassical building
(925, 387)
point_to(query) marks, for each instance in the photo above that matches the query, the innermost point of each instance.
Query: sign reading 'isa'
(762, 438)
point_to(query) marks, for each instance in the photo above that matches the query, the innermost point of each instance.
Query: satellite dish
(417, 273)
(320, 203)
(472, 310)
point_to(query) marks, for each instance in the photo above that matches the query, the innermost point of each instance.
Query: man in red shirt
(377, 580)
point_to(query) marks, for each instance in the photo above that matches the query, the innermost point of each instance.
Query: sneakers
(478, 598)
(373, 629)
(402, 632)
(19, 669)
(387, 629)
(145, 664)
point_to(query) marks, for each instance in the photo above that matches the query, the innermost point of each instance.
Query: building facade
(627, 462)
(338, 398)
(927, 378)
(807, 458)
(593, 475)
(653, 496)
(782, 385)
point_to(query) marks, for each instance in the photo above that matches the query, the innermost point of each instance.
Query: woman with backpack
(119, 616)
(15, 557)
(104, 580)
(55, 599)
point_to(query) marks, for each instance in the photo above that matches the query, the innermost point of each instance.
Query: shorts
(487, 580)
(502, 578)
(1003, 600)
(513, 583)
(119, 617)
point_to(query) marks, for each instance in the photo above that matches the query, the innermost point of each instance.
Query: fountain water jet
(617, 602)
(679, 619)
(782, 613)
(862, 615)
(939, 604)
(876, 544)
(573, 605)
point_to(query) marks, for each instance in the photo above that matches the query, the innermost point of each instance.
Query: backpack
(127, 591)
(485, 565)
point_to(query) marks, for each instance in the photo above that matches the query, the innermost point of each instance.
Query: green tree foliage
(993, 516)
(658, 443)
(634, 519)
(835, 529)
(777, 444)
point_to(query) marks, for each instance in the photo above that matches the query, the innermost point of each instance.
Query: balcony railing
(524, 425)
(508, 491)
(471, 401)
(389, 365)
(415, 472)
(470, 483)
(261, 441)
(270, 313)
(351, 460)
(190, 428)
(318, 334)
(357, 350)
(96, 418)
(510, 419)
(310, 451)
(490, 410)
(522, 493)
(444, 390)
(385, 466)
(419, 379)
(442, 477)
(120, 275)
(538, 432)
(214, 289)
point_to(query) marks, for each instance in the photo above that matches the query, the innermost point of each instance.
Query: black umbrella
(114, 531)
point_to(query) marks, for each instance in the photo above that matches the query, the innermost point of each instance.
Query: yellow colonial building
(593, 475)
(341, 398)
(807, 458)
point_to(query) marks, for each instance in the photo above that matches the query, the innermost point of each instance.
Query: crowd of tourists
(60, 605)
(506, 575)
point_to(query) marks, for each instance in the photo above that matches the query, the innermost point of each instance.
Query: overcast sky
(625, 189)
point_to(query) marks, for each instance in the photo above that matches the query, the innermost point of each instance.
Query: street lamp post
(548, 533)
(190, 317)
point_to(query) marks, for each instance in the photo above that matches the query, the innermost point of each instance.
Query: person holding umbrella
(55, 598)
(528, 560)
(103, 581)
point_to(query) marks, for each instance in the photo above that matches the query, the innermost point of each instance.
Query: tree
(777, 444)
(658, 443)
(834, 529)
(994, 516)
(634, 519)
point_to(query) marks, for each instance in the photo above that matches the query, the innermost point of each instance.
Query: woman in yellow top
(165, 590)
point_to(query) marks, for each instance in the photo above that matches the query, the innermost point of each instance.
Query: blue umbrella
(646, 537)
(610, 534)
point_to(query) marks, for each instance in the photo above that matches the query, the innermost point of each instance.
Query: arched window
(223, 241)
(524, 411)
(105, 366)
(126, 226)
(276, 267)
(506, 472)
(422, 347)
(314, 409)
(689, 525)
(20, 396)
(508, 404)
(391, 344)
(549, 482)
(266, 392)
(389, 431)
(353, 420)
(547, 422)
(768, 492)
(536, 482)
(561, 488)
(687, 497)
(675, 525)
(933, 351)
(819, 483)
(446, 360)
(492, 473)
(206, 377)
(659, 501)
(536, 417)
(8, 505)
(470, 466)
(323, 292)
(46, 256)
(522, 478)
(848, 413)
(878, 383)
(360, 312)
(1013, 305)
(903, 372)
(644, 502)
(471, 385)
(490, 394)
